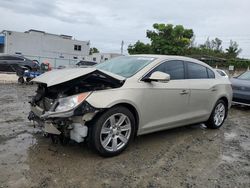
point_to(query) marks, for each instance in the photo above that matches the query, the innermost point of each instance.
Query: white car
(109, 104)
(222, 73)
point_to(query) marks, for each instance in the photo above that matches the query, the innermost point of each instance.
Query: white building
(42, 46)
(100, 57)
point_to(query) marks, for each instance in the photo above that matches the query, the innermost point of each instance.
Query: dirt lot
(184, 157)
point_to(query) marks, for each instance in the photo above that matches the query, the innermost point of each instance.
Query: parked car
(130, 95)
(86, 63)
(8, 63)
(222, 73)
(241, 88)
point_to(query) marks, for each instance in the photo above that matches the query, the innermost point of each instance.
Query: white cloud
(107, 23)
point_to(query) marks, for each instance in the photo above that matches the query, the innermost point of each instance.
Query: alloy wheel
(115, 132)
(219, 114)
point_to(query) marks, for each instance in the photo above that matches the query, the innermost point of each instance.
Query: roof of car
(163, 57)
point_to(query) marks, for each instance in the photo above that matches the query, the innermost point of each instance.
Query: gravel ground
(8, 78)
(184, 157)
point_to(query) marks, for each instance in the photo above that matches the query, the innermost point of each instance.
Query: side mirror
(158, 76)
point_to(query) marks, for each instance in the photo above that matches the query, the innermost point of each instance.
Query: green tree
(233, 50)
(169, 39)
(165, 39)
(93, 50)
(139, 48)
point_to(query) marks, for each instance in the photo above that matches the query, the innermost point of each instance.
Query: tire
(28, 80)
(108, 136)
(20, 80)
(218, 115)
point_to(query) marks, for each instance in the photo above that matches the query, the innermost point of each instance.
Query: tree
(139, 48)
(165, 39)
(233, 50)
(169, 39)
(214, 45)
(93, 50)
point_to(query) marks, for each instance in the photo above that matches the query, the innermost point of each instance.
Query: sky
(107, 22)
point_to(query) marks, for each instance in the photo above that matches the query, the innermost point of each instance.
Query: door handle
(184, 92)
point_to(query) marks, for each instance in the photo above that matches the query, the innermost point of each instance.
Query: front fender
(112, 97)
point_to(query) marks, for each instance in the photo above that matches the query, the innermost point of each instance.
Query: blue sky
(107, 23)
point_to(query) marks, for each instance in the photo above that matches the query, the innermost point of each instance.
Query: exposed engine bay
(61, 110)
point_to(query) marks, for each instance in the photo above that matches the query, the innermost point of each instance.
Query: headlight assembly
(68, 103)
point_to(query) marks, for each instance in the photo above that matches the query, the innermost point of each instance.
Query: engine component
(79, 132)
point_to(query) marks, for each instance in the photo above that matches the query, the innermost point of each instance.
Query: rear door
(203, 90)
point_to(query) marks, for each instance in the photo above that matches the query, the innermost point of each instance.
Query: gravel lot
(184, 157)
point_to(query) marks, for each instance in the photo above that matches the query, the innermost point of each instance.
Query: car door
(203, 91)
(165, 104)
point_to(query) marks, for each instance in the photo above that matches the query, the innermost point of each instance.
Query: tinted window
(10, 58)
(196, 71)
(210, 73)
(174, 68)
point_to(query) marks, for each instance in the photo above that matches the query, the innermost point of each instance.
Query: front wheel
(218, 115)
(112, 131)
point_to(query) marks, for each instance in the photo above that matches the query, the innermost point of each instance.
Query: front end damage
(60, 109)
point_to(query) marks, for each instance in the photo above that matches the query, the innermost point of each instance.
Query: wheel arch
(225, 99)
(133, 110)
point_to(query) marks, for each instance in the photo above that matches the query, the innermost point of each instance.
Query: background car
(86, 63)
(222, 73)
(241, 88)
(8, 63)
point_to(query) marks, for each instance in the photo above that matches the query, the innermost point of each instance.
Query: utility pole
(122, 44)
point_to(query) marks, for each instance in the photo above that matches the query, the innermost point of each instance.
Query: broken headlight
(68, 103)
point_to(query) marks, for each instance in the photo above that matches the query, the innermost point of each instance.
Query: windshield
(244, 76)
(125, 66)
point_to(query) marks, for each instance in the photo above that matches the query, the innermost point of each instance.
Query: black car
(9, 63)
(86, 63)
(241, 88)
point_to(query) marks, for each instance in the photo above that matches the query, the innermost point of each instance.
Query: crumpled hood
(55, 77)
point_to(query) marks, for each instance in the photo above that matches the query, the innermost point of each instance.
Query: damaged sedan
(109, 104)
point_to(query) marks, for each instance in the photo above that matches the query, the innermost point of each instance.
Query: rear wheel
(218, 115)
(112, 131)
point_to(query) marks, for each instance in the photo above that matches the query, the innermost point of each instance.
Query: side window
(13, 58)
(196, 71)
(174, 68)
(210, 73)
